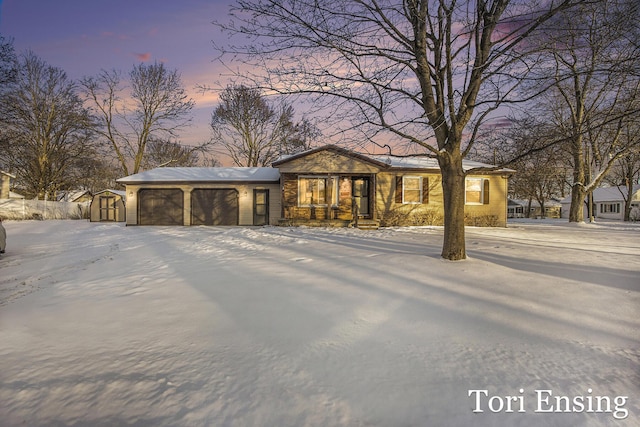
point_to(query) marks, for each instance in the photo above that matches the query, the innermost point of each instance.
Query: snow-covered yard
(106, 325)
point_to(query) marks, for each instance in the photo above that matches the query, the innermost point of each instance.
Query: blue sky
(84, 36)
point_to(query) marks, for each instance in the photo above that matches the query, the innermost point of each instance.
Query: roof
(121, 193)
(203, 174)
(333, 148)
(72, 196)
(534, 203)
(424, 162)
(389, 161)
(608, 194)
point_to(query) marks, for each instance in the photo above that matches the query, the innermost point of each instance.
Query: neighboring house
(5, 184)
(323, 186)
(333, 185)
(14, 195)
(608, 202)
(515, 208)
(522, 209)
(74, 196)
(108, 205)
(203, 196)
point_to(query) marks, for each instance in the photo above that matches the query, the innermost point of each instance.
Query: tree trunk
(628, 200)
(578, 191)
(576, 212)
(453, 188)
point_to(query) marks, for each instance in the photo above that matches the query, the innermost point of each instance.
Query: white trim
(404, 187)
(481, 180)
(307, 205)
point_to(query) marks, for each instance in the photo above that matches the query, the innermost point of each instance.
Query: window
(312, 191)
(610, 208)
(476, 191)
(412, 190)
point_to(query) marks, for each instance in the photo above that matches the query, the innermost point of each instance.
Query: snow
(422, 162)
(206, 174)
(106, 325)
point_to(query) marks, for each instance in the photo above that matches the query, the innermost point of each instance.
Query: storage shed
(108, 205)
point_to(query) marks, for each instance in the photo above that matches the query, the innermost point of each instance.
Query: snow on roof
(204, 174)
(398, 162)
(422, 162)
(121, 193)
(534, 203)
(608, 194)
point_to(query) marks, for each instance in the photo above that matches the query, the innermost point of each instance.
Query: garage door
(214, 206)
(161, 206)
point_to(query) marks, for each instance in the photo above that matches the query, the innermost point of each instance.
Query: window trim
(404, 187)
(316, 177)
(484, 193)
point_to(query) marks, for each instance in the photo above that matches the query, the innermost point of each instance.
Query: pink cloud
(144, 57)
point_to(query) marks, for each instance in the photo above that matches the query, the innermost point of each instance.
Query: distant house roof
(534, 203)
(609, 194)
(72, 196)
(203, 174)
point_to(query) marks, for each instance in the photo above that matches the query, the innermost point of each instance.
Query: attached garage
(160, 206)
(203, 196)
(214, 206)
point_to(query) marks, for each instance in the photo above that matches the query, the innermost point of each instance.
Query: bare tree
(161, 152)
(253, 132)
(592, 68)
(157, 106)
(527, 146)
(45, 128)
(425, 72)
(8, 61)
(626, 171)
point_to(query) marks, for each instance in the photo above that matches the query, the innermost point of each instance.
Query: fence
(42, 209)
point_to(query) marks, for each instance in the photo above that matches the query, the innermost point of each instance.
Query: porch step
(368, 224)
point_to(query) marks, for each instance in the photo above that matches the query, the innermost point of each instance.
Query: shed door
(107, 208)
(161, 206)
(214, 206)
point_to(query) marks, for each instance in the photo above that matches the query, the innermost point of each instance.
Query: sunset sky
(84, 36)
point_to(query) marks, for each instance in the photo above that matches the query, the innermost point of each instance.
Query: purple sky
(84, 36)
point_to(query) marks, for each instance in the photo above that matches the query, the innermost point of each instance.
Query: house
(108, 205)
(203, 196)
(524, 209)
(74, 196)
(334, 186)
(5, 184)
(608, 202)
(323, 186)
(515, 208)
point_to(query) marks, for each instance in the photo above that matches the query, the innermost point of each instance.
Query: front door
(260, 207)
(361, 195)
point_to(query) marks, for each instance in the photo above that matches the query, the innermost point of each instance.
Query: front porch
(331, 200)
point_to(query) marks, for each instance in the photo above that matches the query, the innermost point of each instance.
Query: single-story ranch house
(329, 185)
(608, 203)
